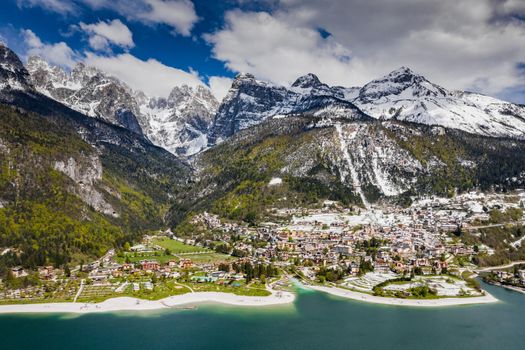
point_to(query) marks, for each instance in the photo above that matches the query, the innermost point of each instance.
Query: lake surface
(314, 321)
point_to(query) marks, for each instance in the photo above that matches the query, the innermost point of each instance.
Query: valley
(397, 190)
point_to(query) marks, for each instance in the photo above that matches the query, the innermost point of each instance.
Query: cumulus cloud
(60, 6)
(103, 34)
(460, 44)
(58, 54)
(219, 86)
(150, 76)
(272, 49)
(180, 15)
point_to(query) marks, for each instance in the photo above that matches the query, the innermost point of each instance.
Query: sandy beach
(134, 304)
(344, 293)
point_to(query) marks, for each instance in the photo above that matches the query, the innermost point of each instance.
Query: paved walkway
(80, 289)
(492, 268)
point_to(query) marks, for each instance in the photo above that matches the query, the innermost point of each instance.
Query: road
(495, 225)
(492, 268)
(80, 289)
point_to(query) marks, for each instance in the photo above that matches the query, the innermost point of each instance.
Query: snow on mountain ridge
(178, 123)
(405, 95)
(251, 101)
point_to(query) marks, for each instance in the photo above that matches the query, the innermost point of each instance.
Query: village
(414, 252)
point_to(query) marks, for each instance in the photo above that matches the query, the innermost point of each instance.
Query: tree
(224, 267)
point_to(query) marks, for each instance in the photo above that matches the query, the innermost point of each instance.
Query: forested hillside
(63, 199)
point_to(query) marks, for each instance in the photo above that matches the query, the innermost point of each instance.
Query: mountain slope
(71, 185)
(251, 101)
(405, 95)
(401, 95)
(178, 123)
(363, 162)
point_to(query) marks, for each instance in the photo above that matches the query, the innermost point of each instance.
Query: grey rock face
(87, 90)
(178, 123)
(13, 74)
(250, 102)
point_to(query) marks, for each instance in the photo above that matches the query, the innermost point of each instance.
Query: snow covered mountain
(190, 119)
(13, 75)
(401, 95)
(405, 95)
(178, 123)
(251, 101)
(88, 91)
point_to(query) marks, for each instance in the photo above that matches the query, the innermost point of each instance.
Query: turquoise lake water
(314, 321)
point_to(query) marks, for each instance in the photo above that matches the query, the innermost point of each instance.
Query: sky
(154, 45)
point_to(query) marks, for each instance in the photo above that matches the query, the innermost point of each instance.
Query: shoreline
(276, 298)
(509, 287)
(344, 293)
(135, 304)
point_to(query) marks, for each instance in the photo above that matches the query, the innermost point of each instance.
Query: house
(18, 271)
(343, 249)
(46, 272)
(138, 248)
(381, 266)
(354, 268)
(185, 264)
(149, 265)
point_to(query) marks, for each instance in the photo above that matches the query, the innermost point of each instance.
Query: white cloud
(180, 15)
(103, 34)
(272, 49)
(151, 76)
(460, 44)
(219, 86)
(60, 6)
(58, 54)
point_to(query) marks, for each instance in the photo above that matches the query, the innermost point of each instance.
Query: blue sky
(153, 45)
(155, 41)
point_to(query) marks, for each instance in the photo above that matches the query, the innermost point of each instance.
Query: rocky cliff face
(181, 122)
(86, 175)
(88, 91)
(401, 95)
(251, 101)
(178, 123)
(13, 75)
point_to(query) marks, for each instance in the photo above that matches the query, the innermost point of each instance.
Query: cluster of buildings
(415, 240)
(513, 278)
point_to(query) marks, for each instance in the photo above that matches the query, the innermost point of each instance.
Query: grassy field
(136, 257)
(255, 290)
(165, 289)
(176, 246)
(162, 258)
(177, 250)
(208, 258)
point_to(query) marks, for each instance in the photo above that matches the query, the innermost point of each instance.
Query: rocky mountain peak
(307, 81)
(243, 79)
(400, 81)
(13, 74)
